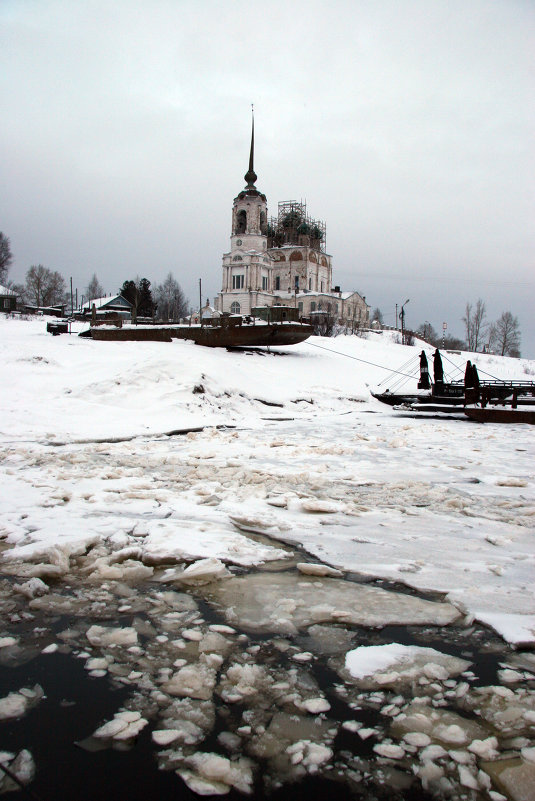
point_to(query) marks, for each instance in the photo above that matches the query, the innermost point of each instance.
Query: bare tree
(20, 291)
(505, 335)
(171, 302)
(44, 287)
(377, 314)
(94, 289)
(475, 325)
(428, 333)
(6, 257)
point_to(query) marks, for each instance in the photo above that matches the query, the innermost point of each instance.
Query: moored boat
(482, 399)
(227, 332)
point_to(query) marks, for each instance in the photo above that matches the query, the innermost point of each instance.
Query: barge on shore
(232, 331)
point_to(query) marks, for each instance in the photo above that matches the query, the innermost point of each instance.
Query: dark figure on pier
(471, 384)
(438, 371)
(468, 374)
(424, 382)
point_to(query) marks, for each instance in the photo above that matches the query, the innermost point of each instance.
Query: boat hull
(238, 336)
(495, 415)
(420, 401)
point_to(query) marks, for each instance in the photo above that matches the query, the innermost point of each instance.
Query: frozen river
(309, 588)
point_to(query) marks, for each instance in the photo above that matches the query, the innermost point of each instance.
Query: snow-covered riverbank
(294, 588)
(303, 455)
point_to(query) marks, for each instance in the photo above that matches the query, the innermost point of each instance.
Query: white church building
(282, 261)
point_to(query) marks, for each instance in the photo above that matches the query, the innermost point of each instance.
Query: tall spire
(250, 176)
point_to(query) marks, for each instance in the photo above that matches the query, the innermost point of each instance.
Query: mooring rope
(355, 358)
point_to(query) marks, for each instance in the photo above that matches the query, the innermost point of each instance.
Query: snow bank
(425, 502)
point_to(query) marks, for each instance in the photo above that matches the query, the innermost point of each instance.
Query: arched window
(313, 306)
(235, 307)
(237, 258)
(278, 283)
(241, 222)
(263, 223)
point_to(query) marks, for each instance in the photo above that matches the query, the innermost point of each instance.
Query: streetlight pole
(402, 318)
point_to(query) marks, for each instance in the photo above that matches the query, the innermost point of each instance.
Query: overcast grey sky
(407, 125)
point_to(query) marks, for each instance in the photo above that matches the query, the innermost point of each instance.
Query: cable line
(355, 358)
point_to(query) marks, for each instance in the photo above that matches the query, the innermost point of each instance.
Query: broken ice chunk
(111, 728)
(316, 705)
(22, 766)
(203, 571)
(279, 602)
(394, 663)
(165, 736)
(318, 506)
(16, 704)
(195, 681)
(217, 772)
(313, 569)
(389, 750)
(33, 588)
(100, 635)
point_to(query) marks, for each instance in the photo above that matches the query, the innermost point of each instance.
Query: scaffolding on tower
(293, 226)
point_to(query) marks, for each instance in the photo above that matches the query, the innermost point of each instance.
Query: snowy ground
(441, 505)
(293, 451)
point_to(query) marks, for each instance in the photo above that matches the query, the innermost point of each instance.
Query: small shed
(8, 300)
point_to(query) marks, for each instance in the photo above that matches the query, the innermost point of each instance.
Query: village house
(115, 304)
(8, 299)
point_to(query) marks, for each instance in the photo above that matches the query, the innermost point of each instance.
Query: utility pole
(396, 316)
(72, 302)
(200, 299)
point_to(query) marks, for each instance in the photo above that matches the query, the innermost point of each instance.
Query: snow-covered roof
(100, 303)
(5, 291)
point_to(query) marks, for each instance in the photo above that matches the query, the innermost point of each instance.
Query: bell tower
(249, 212)
(247, 268)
